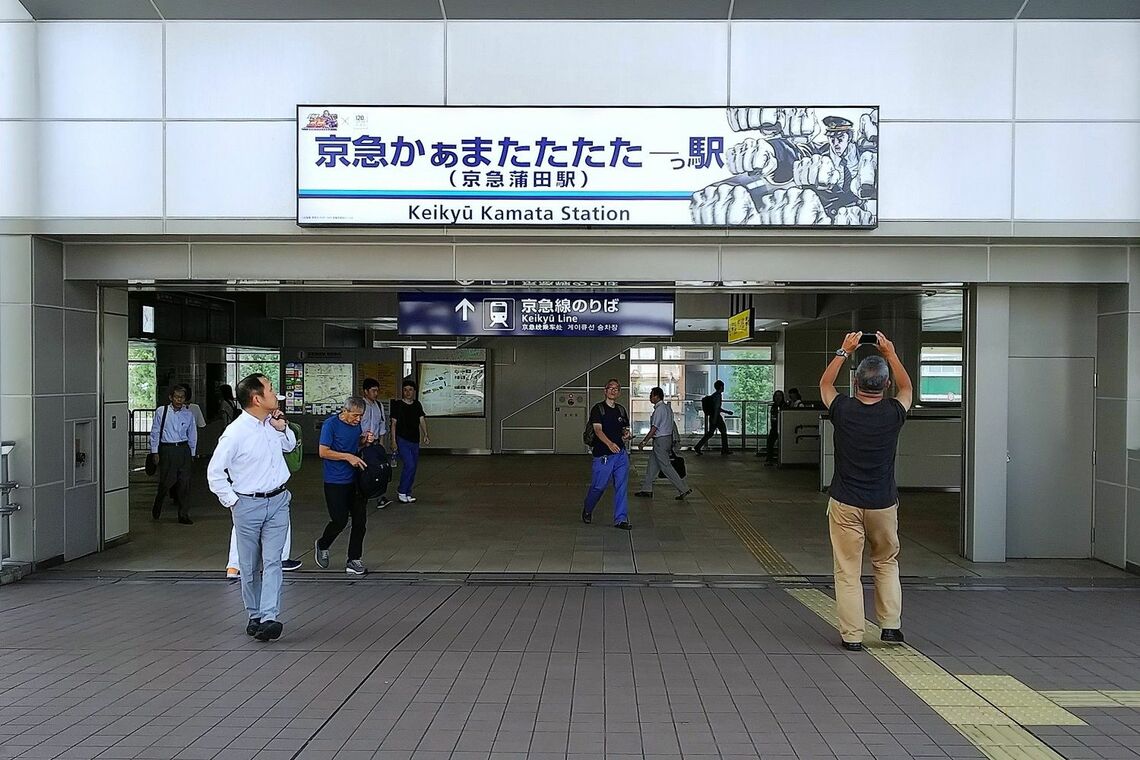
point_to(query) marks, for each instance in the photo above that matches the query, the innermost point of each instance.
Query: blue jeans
(610, 468)
(409, 458)
(262, 525)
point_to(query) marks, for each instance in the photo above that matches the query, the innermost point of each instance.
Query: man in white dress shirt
(662, 429)
(248, 474)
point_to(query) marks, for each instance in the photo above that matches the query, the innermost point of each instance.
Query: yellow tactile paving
(1101, 698)
(770, 559)
(989, 710)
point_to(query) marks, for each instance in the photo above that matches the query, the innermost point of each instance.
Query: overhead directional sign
(536, 314)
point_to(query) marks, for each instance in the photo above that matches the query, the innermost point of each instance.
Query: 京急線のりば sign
(813, 166)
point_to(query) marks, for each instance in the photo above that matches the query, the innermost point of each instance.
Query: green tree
(753, 382)
(141, 376)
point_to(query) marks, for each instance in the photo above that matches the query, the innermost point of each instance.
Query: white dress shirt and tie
(248, 474)
(663, 428)
(174, 437)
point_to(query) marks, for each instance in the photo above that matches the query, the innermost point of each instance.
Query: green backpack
(295, 457)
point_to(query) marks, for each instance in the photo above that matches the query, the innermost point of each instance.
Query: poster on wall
(294, 388)
(452, 389)
(385, 373)
(743, 166)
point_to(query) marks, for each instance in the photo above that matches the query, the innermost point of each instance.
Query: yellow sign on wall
(740, 326)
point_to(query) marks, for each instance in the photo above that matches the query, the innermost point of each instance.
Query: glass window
(141, 375)
(243, 362)
(941, 354)
(642, 378)
(689, 353)
(643, 353)
(942, 312)
(940, 374)
(752, 353)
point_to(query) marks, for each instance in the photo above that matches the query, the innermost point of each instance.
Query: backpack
(588, 436)
(294, 458)
(708, 405)
(372, 481)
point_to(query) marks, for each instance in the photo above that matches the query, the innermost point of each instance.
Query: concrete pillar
(16, 383)
(986, 424)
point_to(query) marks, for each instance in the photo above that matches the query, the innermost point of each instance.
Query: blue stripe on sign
(529, 195)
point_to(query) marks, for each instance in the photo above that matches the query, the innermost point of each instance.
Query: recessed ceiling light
(785, 323)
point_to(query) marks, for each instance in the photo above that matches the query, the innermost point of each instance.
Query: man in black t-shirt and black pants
(864, 498)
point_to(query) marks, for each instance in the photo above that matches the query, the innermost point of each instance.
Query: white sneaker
(405, 498)
(355, 567)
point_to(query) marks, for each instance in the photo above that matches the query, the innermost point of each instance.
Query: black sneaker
(623, 526)
(644, 494)
(681, 496)
(587, 517)
(320, 556)
(853, 646)
(383, 502)
(269, 631)
(892, 636)
(290, 564)
(252, 626)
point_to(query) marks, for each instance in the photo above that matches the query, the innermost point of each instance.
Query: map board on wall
(452, 389)
(316, 388)
(385, 373)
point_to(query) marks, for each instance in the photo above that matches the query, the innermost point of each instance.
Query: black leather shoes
(624, 526)
(269, 631)
(892, 636)
(853, 646)
(252, 626)
(681, 496)
(185, 520)
(644, 494)
(587, 517)
(156, 511)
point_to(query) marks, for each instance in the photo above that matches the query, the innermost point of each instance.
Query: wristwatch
(842, 352)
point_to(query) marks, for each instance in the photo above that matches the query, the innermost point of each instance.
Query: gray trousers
(262, 526)
(659, 463)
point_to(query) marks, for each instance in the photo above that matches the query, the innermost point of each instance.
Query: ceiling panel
(396, 10)
(1082, 9)
(586, 9)
(88, 10)
(875, 9)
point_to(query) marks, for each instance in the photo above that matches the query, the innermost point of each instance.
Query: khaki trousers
(850, 526)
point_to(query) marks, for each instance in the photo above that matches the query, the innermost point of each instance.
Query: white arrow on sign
(465, 307)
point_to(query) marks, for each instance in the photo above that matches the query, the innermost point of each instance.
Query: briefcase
(151, 466)
(678, 463)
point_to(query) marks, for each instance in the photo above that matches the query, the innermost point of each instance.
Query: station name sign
(800, 166)
(536, 314)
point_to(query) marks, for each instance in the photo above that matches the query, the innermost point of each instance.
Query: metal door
(1050, 473)
(570, 412)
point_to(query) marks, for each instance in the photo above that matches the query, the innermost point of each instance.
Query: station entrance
(500, 485)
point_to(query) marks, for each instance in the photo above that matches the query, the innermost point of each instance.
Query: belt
(262, 494)
(174, 443)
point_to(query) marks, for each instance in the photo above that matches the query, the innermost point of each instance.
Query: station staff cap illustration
(837, 124)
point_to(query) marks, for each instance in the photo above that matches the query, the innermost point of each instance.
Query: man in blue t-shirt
(611, 457)
(864, 504)
(340, 440)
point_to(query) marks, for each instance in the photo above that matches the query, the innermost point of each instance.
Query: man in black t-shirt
(611, 457)
(864, 498)
(409, 427)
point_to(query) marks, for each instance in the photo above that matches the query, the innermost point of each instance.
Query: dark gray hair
(354, 404)
(657, 391)
(872, 375)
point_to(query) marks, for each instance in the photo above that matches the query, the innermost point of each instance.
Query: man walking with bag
(248, 474)
(340, 440)
(173, 444)
(864, 500)
(662, 432)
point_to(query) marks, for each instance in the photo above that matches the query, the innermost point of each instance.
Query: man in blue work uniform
(610, 421)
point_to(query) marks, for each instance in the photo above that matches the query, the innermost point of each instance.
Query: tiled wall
(48, 386)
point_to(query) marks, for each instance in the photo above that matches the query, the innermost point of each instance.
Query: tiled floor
(519, 514)
(147, 667)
